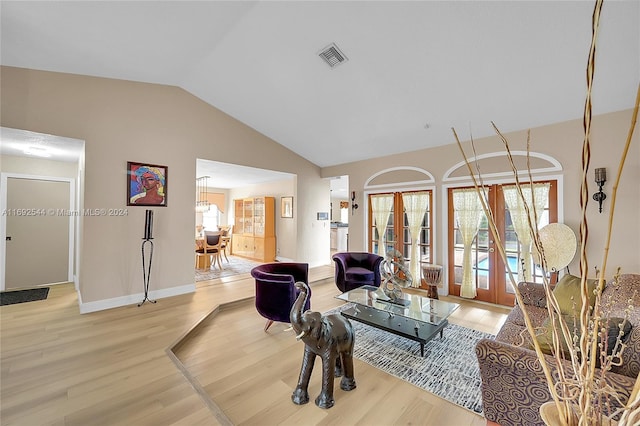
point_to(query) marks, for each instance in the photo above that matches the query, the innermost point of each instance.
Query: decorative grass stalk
(585, 372)
(579, 392)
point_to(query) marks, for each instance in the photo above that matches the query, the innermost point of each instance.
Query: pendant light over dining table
(202, 204)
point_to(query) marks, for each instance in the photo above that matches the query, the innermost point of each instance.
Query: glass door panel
(492, 285)
(258, 217)
(398, 233)
(248, 216)
(239, 216)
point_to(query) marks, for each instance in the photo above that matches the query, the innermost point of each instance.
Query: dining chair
(226, 239)
(211, 246)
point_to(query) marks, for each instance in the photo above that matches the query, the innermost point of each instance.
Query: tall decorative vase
(551, 417)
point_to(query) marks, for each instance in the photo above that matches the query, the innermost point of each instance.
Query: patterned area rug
(236, 266)
(449, 368)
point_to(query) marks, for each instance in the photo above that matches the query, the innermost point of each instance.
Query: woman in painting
(150, 186)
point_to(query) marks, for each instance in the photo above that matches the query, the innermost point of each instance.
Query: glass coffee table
(415, 317)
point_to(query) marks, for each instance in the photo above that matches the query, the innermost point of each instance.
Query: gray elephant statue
(331, 338)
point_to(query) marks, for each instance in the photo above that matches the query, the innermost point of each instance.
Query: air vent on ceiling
(332, 55)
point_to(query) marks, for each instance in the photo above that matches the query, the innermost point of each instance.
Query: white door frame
(3, 218)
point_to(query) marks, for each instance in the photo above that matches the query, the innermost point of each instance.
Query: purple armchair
(355, 269)
(276, 291)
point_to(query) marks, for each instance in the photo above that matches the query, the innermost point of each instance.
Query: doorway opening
(339, 214)
(40, 189)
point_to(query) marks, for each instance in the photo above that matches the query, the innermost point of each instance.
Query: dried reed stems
(580, 392)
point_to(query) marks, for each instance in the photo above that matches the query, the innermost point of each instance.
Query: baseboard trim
(116, 302)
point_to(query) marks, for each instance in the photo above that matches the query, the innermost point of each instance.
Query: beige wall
(127, 121)
(124, 121)
(563, 141)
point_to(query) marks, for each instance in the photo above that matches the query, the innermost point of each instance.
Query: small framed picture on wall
(146, 184)
(286, 207)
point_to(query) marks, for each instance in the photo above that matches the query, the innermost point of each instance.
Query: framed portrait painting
(146, 184)
(286, 207)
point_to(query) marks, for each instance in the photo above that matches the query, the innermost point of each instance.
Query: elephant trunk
(295, 316)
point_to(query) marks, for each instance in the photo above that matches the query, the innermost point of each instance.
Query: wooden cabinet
(254, 228)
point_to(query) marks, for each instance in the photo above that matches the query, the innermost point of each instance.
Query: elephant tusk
(299, 336)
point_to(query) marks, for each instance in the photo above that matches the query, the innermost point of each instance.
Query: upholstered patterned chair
(276, 291)
(355, 269)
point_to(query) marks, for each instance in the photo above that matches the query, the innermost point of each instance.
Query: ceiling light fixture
(332, 55)
(202, 204)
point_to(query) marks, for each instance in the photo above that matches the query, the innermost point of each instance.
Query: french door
(489, 274)
(407, 230)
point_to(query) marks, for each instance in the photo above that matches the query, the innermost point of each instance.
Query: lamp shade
(559, 245)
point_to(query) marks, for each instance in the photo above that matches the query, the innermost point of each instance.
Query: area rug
(235, 266)
(22, 296)
(449, 368)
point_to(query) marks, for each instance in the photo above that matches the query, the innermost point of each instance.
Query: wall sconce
(601, 178)
(354, 206)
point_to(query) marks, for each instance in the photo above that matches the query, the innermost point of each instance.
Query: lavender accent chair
(355, 269)
(276, 291)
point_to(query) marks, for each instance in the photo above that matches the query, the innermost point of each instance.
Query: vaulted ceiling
(414, 69)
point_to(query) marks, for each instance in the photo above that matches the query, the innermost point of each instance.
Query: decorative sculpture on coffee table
(395, 276)
(432, 274)
(331, 338)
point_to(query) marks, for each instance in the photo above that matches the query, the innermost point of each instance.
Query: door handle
(491, 250)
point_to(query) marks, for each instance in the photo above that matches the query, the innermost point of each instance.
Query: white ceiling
(412, 64)
(225, 175)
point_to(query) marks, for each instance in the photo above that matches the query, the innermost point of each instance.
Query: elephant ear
(324, 331)
(316, 326)
(316, 333)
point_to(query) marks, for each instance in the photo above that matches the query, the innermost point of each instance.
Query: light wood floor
(58, 367)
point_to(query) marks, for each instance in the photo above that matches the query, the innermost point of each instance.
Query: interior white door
(37, 232)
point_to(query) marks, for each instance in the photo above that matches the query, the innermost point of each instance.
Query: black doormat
(22, 296)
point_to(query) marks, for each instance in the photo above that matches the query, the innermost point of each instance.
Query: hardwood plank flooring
(250, 374)
(58, 367)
